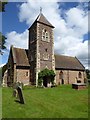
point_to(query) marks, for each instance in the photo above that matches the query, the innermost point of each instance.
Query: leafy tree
(2, 71)
(2, 5)
(2, 40)
(0, 76)
(46, 74)
(88, 73)
(4, 68)
(2, 43)
(2, 37)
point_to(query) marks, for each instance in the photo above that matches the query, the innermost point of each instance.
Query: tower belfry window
(45, 35)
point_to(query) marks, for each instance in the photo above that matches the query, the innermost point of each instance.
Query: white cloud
(68, 32)
(29, 11)
(17, 39)
(78, 19)
(50, 0)
(1, 65)
(71, 46)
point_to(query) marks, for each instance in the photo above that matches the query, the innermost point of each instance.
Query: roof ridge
(68, 62)
(42, 19)
(13, 53)
(64, 55)
(44, 22)
(19, 48)
(79, 61)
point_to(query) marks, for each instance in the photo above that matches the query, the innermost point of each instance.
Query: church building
(25, 64)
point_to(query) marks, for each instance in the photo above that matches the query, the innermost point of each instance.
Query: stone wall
(69, 76)
(41, 53)
(23, 76)
(4, 84)
(10, 71)
(46, 48)
(32, 52)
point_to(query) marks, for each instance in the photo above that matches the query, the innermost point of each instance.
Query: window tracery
(45, 35)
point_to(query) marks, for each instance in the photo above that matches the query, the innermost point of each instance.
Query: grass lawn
(0, 103)
(58, 102)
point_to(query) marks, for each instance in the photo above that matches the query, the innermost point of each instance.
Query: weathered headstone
(79, 86)
(20, 95)
(15, 94)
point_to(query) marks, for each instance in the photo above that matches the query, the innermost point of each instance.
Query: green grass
(58, 102)
(0, 102)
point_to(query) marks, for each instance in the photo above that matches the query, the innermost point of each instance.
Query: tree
(88, 73)
(2, 71)
(46, 75)
(0, 76)
(2, 37)
(2, 43)
(2, 6)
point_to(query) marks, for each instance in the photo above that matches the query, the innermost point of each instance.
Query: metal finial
(40, 9)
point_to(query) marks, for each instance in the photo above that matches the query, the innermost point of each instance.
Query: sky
(70, 20)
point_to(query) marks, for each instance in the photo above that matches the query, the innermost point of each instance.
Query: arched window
(45, 35)
(26, 73)
(79, 75)
(61, 75)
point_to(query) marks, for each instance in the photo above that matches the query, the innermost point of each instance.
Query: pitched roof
(67, 62)
(20, 56)
(42, 19)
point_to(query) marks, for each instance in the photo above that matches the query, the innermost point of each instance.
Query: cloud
(78, 20)
(50, 0)
(17, 39)
(33, 8)
(1, 65)
(17, 0)
(69, 28)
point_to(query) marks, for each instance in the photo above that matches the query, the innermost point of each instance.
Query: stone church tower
(24, 65)
(41, 47)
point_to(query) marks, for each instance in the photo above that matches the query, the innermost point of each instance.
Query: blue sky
(11, 20)
(18, 17)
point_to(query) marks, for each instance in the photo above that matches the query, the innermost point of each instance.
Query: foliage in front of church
(46, 74)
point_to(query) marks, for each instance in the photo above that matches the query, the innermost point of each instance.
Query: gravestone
(20, 95)
(79, 86)
(88, 81)
(15, 94)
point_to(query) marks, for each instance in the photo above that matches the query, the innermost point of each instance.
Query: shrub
(46, 74)
(40, 81)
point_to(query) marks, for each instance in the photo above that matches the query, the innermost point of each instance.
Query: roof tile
(61, 62)
(67, 62)
(20, 57)
(42, 19)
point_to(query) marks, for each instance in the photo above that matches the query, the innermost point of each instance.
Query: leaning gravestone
(17, 92)
(20, 95)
